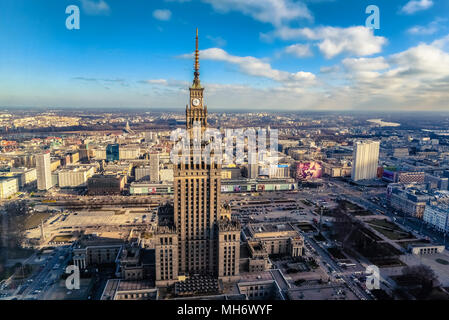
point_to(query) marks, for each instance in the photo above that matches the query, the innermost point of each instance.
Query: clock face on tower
(196, 102)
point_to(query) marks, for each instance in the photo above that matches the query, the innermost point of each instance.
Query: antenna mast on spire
(196, 80)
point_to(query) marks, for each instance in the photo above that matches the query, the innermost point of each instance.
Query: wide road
(358, 291)
(411, 224)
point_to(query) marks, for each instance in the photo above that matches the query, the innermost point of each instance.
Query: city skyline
(289, 55)
(311, 161)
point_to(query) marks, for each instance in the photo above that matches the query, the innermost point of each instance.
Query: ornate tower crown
(196, 111)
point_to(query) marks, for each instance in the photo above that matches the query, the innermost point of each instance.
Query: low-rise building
(146, 188)
(92, 251)
(118, 289)
(435, 182)
(108, 184)
(26, 176)
(266, 285)
(8, 186)
(258, 257)
(278, 238)
(437, 216)
(426, 249)
(75, 177)
(129, 152)
(410, 199)
(258, 185)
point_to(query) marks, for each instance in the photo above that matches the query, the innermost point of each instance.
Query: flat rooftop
(270, 227)
(252, 277)
(114, 286)
(110, 217)
(135, 285)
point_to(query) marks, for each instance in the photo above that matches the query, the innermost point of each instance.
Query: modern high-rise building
(84, 153)
(142, 173)
(201, 239)
(43, 171)
(365, 159)
(112, 152)
(253, 166)
(154, 167)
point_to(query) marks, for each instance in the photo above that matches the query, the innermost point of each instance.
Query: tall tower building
(253, 167)
(84, 152)
(365, 159)
(154, 167)
(201, 239)
(43, 171)
(112, 152)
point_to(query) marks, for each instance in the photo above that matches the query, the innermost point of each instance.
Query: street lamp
(321, 217)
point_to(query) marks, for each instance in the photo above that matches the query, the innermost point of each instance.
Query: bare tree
(13, 222)
(423, 277)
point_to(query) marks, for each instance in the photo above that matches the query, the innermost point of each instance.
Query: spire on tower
(196, 80)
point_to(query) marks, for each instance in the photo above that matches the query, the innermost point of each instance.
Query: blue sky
(255, 54)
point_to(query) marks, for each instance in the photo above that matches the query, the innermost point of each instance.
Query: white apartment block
(365, 160)
(100, 154)
(437, 217)
(129, 153)
(43, 170)
(71, 178)
(27, 176)
(154, 167)
(8, 187)
(278, 171)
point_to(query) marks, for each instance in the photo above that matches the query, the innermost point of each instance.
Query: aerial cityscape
(328, 183)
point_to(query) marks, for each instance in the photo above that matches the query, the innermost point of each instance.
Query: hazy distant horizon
(217, 110)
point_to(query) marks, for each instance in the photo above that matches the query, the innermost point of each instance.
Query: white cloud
(162, 14)
(93, 7)
(166, 83)
(331, 69)
(255, 66)
(422, 62)
(429, 29)
(103, 81)
(157, 81)
(442, 43)
(423, 30)
(415, 78)
(365, 64)
(416, 5)
(275, 12)
(332, 41)
(364, 69)
(299, 50)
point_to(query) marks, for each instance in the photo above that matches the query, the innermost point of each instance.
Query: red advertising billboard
(308, 170)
